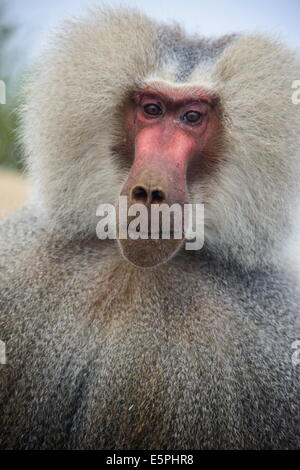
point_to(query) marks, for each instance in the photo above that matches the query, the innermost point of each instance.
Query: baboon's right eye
(152, 110)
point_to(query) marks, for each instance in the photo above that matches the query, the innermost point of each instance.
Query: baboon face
(166, 129)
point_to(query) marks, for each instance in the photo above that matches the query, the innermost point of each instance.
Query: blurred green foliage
(9, 150)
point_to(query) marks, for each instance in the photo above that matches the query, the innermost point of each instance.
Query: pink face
(169, 128)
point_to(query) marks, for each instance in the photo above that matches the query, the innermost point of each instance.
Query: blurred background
(26, 24)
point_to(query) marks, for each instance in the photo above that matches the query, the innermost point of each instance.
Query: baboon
(142, 344)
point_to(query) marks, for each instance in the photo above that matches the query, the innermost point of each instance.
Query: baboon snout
(150, 187)
(143, 194)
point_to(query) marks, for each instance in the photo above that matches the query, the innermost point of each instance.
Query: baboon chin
(149, 253)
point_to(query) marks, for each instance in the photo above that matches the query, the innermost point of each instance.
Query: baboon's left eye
(192, 117)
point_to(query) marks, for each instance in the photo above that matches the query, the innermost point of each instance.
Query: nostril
(158, 196)
(139, 194)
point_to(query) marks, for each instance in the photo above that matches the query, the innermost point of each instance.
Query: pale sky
(35, 18)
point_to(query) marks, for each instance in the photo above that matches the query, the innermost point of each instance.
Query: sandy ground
(13, 191)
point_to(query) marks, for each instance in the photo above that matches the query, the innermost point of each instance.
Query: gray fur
(192, 354)
(188, 53)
